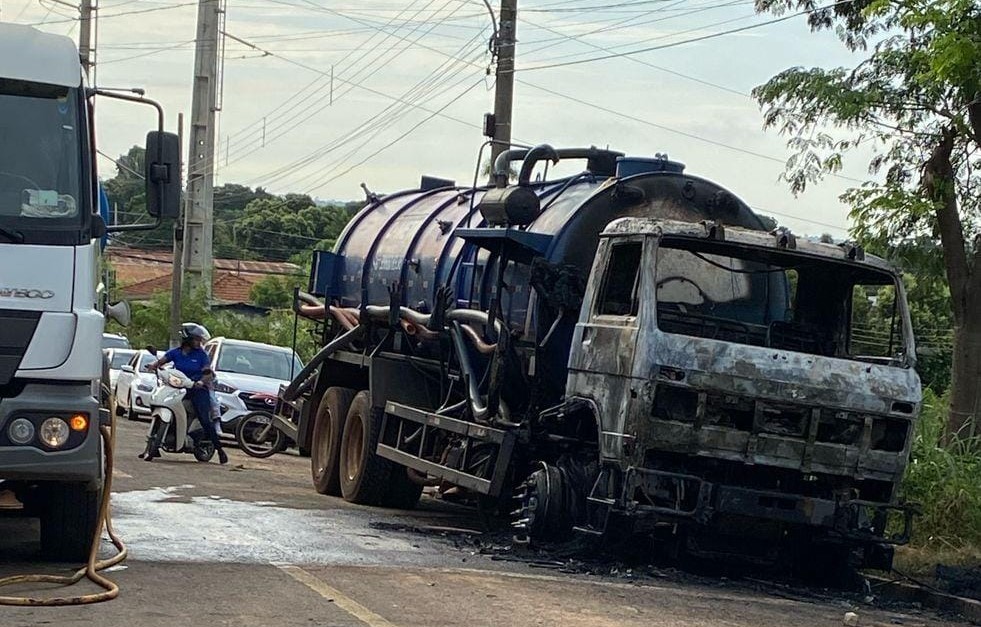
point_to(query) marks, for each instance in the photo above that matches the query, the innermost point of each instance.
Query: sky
(412, 80)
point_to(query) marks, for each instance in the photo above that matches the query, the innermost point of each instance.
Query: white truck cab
(51, 319)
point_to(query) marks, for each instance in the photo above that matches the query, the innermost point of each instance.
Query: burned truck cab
(746, 384)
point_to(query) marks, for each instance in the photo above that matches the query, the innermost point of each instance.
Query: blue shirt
(192, 364)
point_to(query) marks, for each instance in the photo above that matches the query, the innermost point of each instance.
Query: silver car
(249, 375)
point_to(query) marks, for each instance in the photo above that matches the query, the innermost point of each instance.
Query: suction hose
(94, 565)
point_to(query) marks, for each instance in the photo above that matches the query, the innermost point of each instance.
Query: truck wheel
(325, 451)
(402, 493)
(69, 515)
(364, 476)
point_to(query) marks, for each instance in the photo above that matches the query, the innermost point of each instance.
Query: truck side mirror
(163, 174)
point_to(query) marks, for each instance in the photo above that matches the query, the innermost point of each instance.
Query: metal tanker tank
(436, 235)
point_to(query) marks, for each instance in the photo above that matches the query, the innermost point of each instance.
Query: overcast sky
(690, 101)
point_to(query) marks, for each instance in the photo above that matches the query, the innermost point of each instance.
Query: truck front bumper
(699, 501)
(80, 463)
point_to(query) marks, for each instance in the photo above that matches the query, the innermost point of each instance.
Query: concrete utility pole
(199, 209)
(177, 274)
(504, 92)
(85, 36)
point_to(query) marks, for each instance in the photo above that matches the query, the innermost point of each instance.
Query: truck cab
(747, 380)
(51, 318)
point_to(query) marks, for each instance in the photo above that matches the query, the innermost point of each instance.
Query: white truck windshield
(40, 160)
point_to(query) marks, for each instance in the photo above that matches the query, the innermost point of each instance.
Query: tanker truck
(622, 351)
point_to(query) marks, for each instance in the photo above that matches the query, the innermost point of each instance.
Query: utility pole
(177, 274)
(504, 92)
(85, 36)
(199, 217)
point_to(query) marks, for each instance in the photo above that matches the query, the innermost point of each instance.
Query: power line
(136, 12)
(716, 35)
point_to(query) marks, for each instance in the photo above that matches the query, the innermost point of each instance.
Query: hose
(92, 568)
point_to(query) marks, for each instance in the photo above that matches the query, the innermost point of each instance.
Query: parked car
(134, 385)
(114, 340)
(117, 358)
(248, 372)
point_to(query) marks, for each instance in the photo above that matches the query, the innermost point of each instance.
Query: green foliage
(945, 481)
(275, 292)
(150, 325)
(914, 100)
(249, 224)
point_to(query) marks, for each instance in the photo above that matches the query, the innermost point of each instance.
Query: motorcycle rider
(194, 362)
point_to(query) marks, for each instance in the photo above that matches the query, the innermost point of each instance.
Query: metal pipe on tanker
(294, 388)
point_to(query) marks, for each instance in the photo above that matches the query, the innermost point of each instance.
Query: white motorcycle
(170, 427)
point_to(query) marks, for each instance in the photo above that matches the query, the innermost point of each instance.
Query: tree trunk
(965, 382)
(964, 278)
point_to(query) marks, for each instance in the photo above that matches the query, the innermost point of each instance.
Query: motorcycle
(170, 427)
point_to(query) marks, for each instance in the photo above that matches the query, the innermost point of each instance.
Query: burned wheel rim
(251, 438)
(354, 456)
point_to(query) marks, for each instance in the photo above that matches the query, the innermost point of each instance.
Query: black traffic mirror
(163, 174)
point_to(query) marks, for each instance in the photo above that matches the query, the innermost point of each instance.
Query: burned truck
(621, 351)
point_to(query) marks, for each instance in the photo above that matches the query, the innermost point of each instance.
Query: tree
(275, 292)
(916, 100)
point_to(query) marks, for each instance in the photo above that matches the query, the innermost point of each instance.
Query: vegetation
(915, 99)
(151, 325)
(249, 223)
(945, 480)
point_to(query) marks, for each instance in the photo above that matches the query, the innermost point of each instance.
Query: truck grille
(16, 330)
(679, 404)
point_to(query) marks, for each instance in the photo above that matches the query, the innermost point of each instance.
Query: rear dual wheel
(365, 477)
(328, 429)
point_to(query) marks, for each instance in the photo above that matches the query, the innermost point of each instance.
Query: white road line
(339, 599)
(122, 475)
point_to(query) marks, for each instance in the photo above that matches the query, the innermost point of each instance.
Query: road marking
(122, 475)
(338, 598)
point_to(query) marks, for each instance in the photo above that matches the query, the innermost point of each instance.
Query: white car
(117, 358)
(249, 375)
(134, 385)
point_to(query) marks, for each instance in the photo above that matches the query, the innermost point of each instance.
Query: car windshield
(146, 358)
(40, 157)
(120, 358)
(114, 341)
(259, 362)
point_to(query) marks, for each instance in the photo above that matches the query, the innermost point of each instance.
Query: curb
(907, 593)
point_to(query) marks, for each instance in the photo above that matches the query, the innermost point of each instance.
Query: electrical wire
(708, 36)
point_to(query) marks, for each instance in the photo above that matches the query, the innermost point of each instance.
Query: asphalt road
(251, 543)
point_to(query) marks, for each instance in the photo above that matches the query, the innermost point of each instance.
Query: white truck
(51, 309)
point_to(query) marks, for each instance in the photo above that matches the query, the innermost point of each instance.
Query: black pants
(201, 400)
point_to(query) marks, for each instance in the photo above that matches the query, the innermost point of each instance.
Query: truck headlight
(54, 432)
(21, 431)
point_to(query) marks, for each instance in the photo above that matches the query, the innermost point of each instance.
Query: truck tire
(402, 493)
(69, 515)
(365, 477)
(325, 449)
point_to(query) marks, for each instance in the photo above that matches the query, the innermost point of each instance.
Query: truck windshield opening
(40, 156)
(791, 301)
